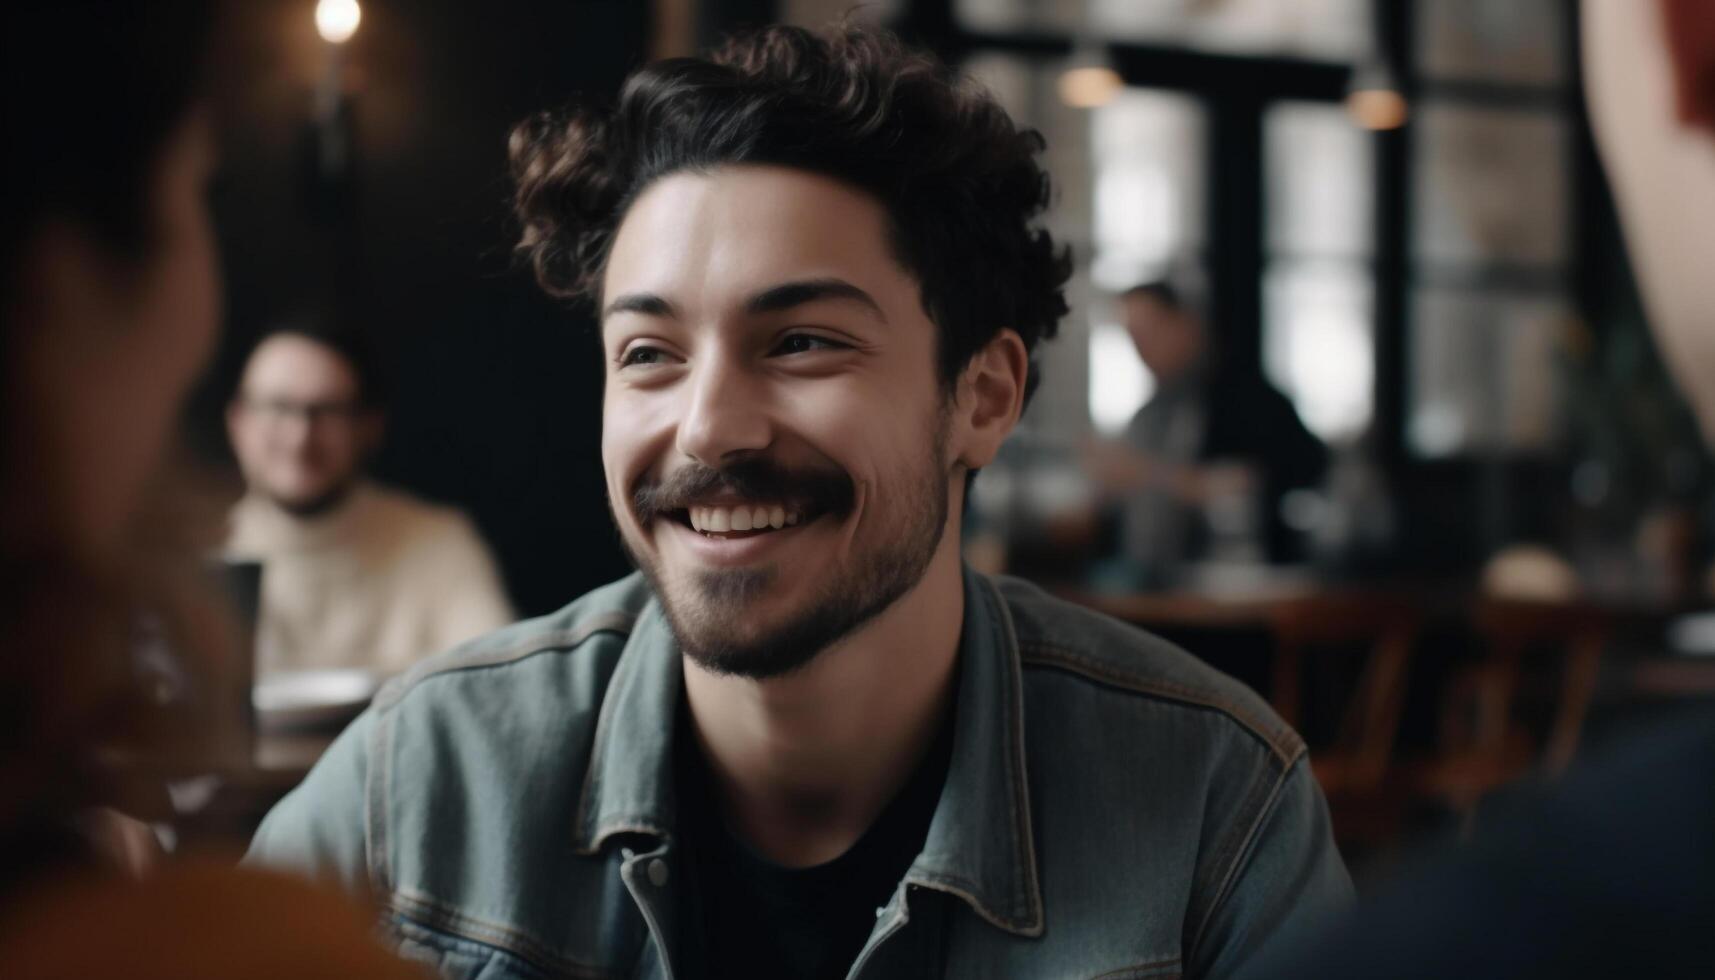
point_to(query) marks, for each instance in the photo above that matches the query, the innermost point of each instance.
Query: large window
(1137, 205)
(1148, 158)
(1332, 29)
(1259, 202)
(1489, 306)
(1319, 279)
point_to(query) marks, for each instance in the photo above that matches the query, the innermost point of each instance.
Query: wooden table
(1484, 750)
(1296, 616)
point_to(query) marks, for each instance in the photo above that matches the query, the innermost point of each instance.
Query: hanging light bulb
(337, 20)
(1090, 80)
(1374, 100)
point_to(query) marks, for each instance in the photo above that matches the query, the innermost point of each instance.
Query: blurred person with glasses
(355, 575)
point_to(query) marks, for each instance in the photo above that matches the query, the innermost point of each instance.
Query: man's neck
(806, 762)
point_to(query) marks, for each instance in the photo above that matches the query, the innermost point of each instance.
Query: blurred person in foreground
(1609, 872)
(110, 299)
(355, 575)
(1210, 456)
(805, 740)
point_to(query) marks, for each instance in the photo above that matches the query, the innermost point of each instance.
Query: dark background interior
(496, 389)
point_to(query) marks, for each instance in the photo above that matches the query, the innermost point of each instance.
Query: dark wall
(496, 390)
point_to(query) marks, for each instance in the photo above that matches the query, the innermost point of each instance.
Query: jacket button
(658, 873)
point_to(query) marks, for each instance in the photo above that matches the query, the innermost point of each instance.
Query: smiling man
(805, 740)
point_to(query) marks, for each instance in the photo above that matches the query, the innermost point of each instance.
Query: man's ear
(990, 398)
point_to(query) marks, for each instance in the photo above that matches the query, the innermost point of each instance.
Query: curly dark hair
(960, 182)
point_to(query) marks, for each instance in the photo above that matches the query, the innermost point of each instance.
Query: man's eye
(642, 356)
(803, 343)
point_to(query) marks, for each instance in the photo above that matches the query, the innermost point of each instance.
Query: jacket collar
(980, 843)
(628, 787)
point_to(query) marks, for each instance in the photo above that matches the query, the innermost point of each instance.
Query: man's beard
(323, 503)
(713, 627)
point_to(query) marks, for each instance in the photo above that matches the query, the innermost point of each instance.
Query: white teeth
(746, 517)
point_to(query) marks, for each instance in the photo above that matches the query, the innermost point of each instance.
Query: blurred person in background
(1610, 872)
(110, 305)
(355, 575)
(806, 740)
(1205, 465)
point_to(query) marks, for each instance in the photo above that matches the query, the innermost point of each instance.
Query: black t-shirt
(742, 915)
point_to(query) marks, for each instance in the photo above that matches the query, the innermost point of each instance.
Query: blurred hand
(126, 843)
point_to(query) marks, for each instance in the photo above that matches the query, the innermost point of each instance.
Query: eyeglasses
(274, 411)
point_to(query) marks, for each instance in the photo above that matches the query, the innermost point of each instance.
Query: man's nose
(726, 413)
(294, 430)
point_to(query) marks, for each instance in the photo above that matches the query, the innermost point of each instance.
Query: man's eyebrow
(790, 294)
(647, 304)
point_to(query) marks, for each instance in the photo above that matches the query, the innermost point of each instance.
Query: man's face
(774, 431)
(1168, 341)
(298, 426)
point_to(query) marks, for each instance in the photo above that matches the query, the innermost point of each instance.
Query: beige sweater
(378, 583)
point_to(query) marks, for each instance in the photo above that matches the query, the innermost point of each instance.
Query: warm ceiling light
(1374, 100)
(337, 20)
(1379, 108)
(1089, 87)
(1089, 80)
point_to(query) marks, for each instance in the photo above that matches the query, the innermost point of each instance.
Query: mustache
(822, 489)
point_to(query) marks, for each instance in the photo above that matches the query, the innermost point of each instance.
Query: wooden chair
(1353, 770)
(1485, 742)
(1384, 628)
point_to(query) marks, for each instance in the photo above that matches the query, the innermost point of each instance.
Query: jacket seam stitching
(429, 913)
(560, 640)
(1241, 850)
(372, 740)
(588, 839)
(1022, 825)
(1282, 743)
(1140, 969)
(377, 800)
(966, 889)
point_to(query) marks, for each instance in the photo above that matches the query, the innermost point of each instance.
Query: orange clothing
(195, 920)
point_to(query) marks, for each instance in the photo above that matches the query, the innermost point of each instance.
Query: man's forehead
(726, 235)
(291, 363)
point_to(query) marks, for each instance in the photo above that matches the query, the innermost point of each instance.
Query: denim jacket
(1113, 808)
